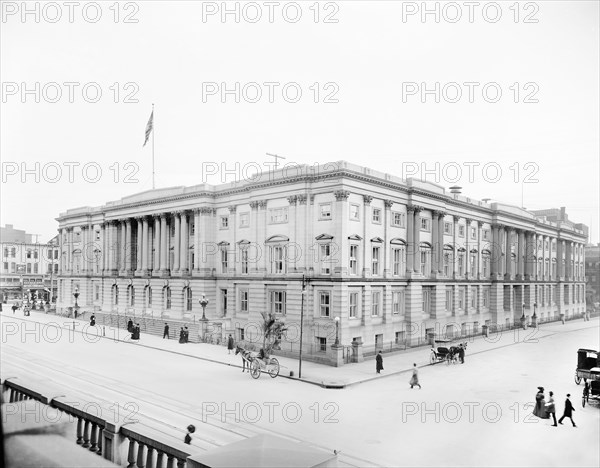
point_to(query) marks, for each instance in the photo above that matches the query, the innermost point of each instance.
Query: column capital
(302, 199)
(341, 195)
(205, 210)
(232, 208)
(367, 199)
(439, 213)
(262, 204)
(254, 205)
(480, 223)
(292, 200)
(415, 208)
(388, 203)
(456, 218)
(468, 221)
(498, 225)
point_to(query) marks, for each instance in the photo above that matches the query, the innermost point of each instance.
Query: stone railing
(99, 429)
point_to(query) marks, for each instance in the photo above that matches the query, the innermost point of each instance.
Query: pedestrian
(540, 404)
(586, 391)
(461, 353)
(568, 412)
(136, 332)
(130, 326)
(182, 335)
(188, 437)
(93, 321)
(166, 331)
(186, 335)
(550, 408)
(14, 308)
(379, 362)
(230, 344)
(414, 380)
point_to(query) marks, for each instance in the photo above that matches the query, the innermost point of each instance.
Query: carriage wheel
(255, 370)
(274, 368)
(577, 379)
(432, 358)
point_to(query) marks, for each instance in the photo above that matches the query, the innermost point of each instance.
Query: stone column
(441, 214)
(479, 252)
(164, 253)
(468, 272)
(122, 243)
(455, 219)
(139, 246)
(177, 241)
(84, 253)
(146, 250)
(70, 249)
(233, 249)
(436, 249)
(156, 235)
(196, 265)
(417, 239)
(509, 236)
(103, 247)
(363, 265)
(262, 234)
(568, 260)
(386, 244)
(521, 254)
(496, 250)
(410, 235)
(184, 244)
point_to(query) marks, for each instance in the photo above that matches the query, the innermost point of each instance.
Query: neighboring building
(29, 269)
(592, 272)
(395, 260)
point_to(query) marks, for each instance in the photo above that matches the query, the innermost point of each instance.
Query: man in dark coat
(230, 344)
(130, 326)
(166, 331)
(568, 413)
(186, 334)
(93, 320)
(461, 354)
(14, 307)
(379, 360)
(182, 335)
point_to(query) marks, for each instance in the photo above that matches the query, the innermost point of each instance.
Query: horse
(246, 357)
(454, 350)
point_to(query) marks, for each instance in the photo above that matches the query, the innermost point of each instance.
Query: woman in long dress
(540, 404)
(414, 380)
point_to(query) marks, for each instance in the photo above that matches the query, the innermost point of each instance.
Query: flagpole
(153, 129)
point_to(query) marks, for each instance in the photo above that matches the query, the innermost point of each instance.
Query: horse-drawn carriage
(588, 369)
(445, 354)
(257, 362)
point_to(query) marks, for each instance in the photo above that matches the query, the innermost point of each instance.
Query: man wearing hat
(568, 413)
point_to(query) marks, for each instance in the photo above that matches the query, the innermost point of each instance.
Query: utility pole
(276, 159)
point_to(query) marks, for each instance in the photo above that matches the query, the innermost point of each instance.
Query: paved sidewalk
(318, 374)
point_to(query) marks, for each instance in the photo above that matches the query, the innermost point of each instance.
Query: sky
(500, 99)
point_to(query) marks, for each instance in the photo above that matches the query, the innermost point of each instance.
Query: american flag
(149, 127)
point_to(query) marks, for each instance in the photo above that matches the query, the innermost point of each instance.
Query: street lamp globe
(337, 334)
(203, 303)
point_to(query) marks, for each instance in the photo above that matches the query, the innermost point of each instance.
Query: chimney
(563, 213)
(455, 190)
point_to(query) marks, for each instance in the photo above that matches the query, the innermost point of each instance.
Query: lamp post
(203, 303)
(337, 333)
(76, 295)
(534, 316)
(523, 319)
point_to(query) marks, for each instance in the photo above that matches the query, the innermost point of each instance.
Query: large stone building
(592, 274)
(387, 261)
(29, 269)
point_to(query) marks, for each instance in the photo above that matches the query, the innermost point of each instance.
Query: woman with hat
(540, 404)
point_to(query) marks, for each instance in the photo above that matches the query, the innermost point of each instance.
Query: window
(425, 224)
(244, 300)
(354, 259)
(277, 263)
(130, 296)
(29, 254)
(324, 303)
(397, 219)
(114, 294)
(353, 304)
(375, 262)
(376, 215)
(461, 297)
(224, 301)
(5, 266)
(375, 299)
(13, 252)
(400, 337)
(13, 267)
(55, 268)
(473, 297)
(35, 254)
(325, 211)
(29, 268)
(277, 302)
(244, 220)
(398, 261)
(278, 215)
(224, 222)
(486, 234)
(148, 298)
(426, 292)
(398, 302)
(354, 212)
(486, 296)
(425, 256)
(224, 260)
(97, 292)
(461, 230)
(448, 298)
(325, 251)
(473, 269)
(244, 258)
(461, 263)
(187, 298)
(447, 228)
(56, 254)
(35, 267)
(486, 264)
(448, 261)
(473, 233)
(321, 344)
(5, 252)
(167, 297)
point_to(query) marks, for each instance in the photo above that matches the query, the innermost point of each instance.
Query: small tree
(272, 330)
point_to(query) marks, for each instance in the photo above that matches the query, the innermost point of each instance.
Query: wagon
(592, 396)
(441, 354)
(587, 359)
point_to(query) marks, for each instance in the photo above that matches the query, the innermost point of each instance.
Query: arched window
(167, 298)
(130, 295)
(425, 257)
(187, 298)
(398, 257)
(473, 264)
(461, 261)
(486, 255)
(448, 260)
(115, 294)
(147, 296)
